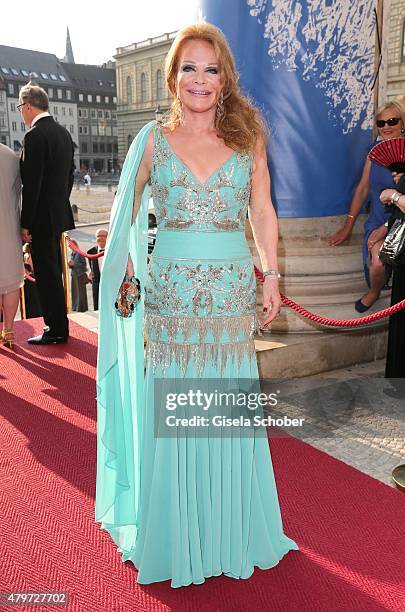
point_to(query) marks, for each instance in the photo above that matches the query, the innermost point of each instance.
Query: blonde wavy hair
(398, 103)
(241, 124)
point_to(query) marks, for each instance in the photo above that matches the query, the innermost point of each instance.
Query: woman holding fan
(390, 122)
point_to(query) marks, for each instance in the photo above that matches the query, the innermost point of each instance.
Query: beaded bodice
(182, 202)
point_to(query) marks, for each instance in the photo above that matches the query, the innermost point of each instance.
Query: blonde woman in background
(11, 257)
(390, 123)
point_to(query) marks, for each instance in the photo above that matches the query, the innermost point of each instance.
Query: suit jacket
(47, 169)
(94, 267)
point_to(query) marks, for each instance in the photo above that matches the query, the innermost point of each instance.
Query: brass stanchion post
(65, 271)
(23, 311)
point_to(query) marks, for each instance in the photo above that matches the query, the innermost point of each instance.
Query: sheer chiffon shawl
(120, 365)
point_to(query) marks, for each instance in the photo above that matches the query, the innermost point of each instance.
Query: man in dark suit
(47, 169)
(96, 264)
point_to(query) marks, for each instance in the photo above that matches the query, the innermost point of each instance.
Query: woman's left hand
(271, 300)
(386, 196)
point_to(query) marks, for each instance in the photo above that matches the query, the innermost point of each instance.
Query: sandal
(7, 337)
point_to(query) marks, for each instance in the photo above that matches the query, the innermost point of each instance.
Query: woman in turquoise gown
(181, 506)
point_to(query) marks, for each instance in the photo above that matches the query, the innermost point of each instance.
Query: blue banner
(308, 65)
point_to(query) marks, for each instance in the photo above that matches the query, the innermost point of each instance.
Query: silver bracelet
(272, 273)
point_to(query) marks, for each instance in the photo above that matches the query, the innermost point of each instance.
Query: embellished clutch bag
(128, 297)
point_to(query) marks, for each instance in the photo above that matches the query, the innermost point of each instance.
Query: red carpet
(350, 528)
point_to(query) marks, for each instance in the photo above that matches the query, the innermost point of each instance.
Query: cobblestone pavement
(94, 205)
(349, 416)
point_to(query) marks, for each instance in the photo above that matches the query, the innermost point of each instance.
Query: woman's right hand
(341, 235)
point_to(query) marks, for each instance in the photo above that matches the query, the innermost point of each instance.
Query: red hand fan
(390, 154)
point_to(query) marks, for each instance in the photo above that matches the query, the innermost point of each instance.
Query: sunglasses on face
(391, 121)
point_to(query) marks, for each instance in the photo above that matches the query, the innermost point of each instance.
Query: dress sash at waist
(201, 245)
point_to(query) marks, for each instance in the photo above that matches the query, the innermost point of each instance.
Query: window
(116, 147)
(84, 147)
(12, 107)
(98, 99)
(106, 100)
(72, 129)
(16, 145)
(44, 75)
(60, 94)
(95, 147)
(107, 114)
(114, 116)
(93, 114)
(143, 87)
(4, 70)
(129, 90)
(115, 131)
(100, 114)
(159, 85)
(129, 140)
(14, 126)
(53, 76)
(109, 147)
(108, 131)
(83, 129)
(22, 126)
(101, 129)
(114, 100)
(63, 111)
(15, 72)
(11, 89)
(71, 112)
(2, 120)
(89, 98)
(82, 113)
(55, 110)
(50, 92)
(102, 148)
(62, 78)
(24, 73)
(35, 74)
(94, 130)
(68, 94)
(80, 97)
(2, 98)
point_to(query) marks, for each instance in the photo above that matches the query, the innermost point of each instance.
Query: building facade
(141, 88)
(396, 50)
(18, 67)
(82, 98)
(4, 131)
(95, 95)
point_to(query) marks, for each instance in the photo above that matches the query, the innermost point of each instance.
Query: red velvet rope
(376, 316)
(72, 246)
(336, 322)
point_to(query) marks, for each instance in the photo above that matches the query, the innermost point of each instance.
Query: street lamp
(159, 115)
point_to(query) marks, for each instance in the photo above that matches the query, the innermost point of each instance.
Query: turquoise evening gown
(203, 506)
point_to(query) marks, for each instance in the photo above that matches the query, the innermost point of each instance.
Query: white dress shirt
(38, 117)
